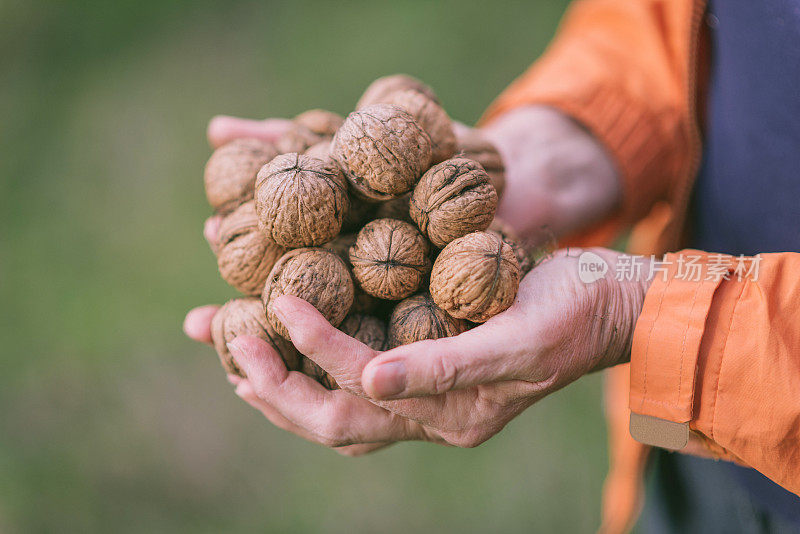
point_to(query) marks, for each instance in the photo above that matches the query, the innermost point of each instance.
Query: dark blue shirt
(747, 195)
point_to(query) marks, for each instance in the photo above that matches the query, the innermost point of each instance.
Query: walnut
(362, 302)
(382, 151)
(390, 259)
(341, 245)
(244, 255)
(321, 150)
(475, 277)
(472, 144)
(308, 367)
(359, 214)
(245, 317)
(312, 274)
(521, 250)
(230, 174)
(320, 121)
(453, 199)
(417, 318)
(431, 117)
(297, 138)
(301, 201)
(397, 208)
(384, 86)
(369, 330)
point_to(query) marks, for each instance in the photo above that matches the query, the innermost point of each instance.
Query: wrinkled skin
(460, 390)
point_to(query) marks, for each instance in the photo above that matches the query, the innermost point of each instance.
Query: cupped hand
(458, 391)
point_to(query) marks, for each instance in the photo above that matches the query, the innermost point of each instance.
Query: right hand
(559, 177)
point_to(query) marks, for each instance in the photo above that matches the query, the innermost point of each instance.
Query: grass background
(110, 419)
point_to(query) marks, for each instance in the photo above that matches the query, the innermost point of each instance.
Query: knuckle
(311, 337)
(260, 387)
(333, 431)
(470, 439)
(444, 374)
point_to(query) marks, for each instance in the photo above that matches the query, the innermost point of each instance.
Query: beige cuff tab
(659, 432)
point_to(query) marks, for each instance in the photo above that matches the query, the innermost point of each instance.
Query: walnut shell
(244, 255)
(417, 318)
(471, 144)
(297, 138)
(521, 249)
(320, 121)
(384, 86)
(359, 214)
(475, 277)
(453, 199)
(397, 208)
(369, 330)
(321, 150)
(341, 245)
(432, 118)
(362, 302)
(245, 317)
(389, 259)
(312, 274)
(308, 367)
(300, 201)
(230, 173)
(382, 151)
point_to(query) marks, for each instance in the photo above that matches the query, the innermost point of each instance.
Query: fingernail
(389, 379)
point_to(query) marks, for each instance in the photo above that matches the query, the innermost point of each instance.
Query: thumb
(477, 356)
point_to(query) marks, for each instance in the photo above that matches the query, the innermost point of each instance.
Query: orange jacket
(716, 362)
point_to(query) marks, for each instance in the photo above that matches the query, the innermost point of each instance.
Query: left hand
(458, 391)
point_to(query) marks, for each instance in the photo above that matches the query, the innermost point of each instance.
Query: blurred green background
(110, 419)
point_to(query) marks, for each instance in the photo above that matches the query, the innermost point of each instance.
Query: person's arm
(722, 358)
(620, 69)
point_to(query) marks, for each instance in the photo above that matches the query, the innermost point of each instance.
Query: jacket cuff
(667, 344)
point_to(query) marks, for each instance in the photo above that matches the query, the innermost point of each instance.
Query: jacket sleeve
(620, 68)
(721, 358)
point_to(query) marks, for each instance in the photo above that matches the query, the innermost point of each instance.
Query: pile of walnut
(383, 216)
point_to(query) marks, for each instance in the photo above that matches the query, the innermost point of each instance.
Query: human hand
(458, 391)
(558, 176)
